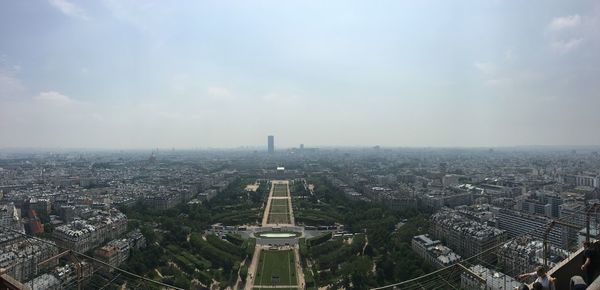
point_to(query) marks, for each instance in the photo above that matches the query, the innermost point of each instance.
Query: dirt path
(239, 280)
(265, 219)
(252, 268)
(158, 273)
(290, 205)
(275, 287)
(299, 272)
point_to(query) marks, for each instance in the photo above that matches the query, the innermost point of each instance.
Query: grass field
(280, 212)
(280, 206)
(279, 218)
(276, 268)
(280, 190)
(279, 209)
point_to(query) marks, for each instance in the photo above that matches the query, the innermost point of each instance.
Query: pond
(277, 235)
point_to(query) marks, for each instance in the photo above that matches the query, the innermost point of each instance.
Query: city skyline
(236, 219)
(124, 75)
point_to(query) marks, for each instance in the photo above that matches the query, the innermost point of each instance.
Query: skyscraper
(271, 143)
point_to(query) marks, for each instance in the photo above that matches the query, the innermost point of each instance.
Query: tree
(244, 273)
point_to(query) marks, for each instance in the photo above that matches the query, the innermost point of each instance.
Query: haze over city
(299, 145)
(198, 74)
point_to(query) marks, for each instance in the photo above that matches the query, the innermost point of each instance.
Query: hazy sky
(144, 74)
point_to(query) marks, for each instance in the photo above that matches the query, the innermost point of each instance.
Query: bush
(211, 253)
(244, 273)
(250, 247)
(203, 277)
(224, 246)
(235, 239)
(319, 239)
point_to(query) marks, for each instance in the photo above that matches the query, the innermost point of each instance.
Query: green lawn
(279, 206)
(279, 202)
(279, 218)
(276, 268)
(280, 190)
(279, 212)
(279, 209)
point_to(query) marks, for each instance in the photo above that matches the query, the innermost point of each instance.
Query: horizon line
(260, 147)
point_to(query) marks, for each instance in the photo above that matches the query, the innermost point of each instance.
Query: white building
(480, 277)
(587, 180)
(434, 252)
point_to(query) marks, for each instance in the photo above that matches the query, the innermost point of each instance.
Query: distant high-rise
(271, 143)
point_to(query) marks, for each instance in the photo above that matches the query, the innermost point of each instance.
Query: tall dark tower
(271, 144)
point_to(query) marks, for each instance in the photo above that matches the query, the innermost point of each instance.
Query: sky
(199, 74)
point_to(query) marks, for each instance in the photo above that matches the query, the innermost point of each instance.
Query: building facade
(466, 237)
(479, 277)
(434, 252)
(271, 144)
(517, 223)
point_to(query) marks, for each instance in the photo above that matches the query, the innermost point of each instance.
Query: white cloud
(280, 99)
(219, 92)
(495, 82)
(487, 68)
(180, 83)
(509, 55)
(69, 9)
(53, 97)
(10, 86)
(567, 33)
(566, 46)
(138, 14)
(560, 23)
